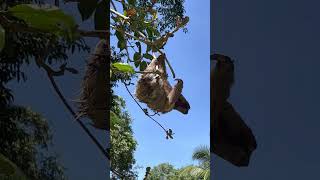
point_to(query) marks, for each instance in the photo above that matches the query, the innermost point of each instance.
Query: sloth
(154, 89)
(94, 96)
(231, 138)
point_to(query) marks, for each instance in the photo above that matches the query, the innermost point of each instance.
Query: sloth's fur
(154, 89)
(94, 96)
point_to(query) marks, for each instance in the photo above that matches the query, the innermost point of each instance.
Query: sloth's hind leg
(175, 93)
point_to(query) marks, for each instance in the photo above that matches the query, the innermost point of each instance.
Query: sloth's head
(160, 63)
(161, 59)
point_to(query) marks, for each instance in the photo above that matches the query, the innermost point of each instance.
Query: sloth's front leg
(175, 93)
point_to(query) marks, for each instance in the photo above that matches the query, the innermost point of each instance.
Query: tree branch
(52, 73)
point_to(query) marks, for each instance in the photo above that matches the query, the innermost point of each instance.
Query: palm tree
(202, 171)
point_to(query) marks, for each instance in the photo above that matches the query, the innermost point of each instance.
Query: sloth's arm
(175, 93)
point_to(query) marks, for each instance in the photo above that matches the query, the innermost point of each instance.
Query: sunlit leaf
(124, 67)
(46, 18)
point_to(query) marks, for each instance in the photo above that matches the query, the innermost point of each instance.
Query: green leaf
(148, 56)
(121, 44)
(137, 59)
(86, 8)
(46, 18)
(114, 119)
(137, 63)
(156, 33)
(143, 65)
(2, 37)
(149, 32)
(137, 56)
(121, 41)
(101, 16)
(124, 67)
(132, 2)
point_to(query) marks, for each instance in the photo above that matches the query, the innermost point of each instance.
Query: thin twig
(119, 14)
(75, 116)
(113, 5)
(52, 73)
(132, 36)
(126, 85)
(56, 88)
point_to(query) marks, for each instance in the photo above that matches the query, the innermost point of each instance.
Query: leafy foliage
(46, 18)
(9, 170)
(168, 10)
(202, 154)
(190, 172)
(23, 47)
(122, 142)
(149, 22)
(202, 171)
(163, 171)
(25, 139)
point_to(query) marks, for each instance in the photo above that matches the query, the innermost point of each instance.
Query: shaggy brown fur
(154, 89)
(94, 96)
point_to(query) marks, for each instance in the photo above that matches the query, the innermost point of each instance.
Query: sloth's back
(150, 90)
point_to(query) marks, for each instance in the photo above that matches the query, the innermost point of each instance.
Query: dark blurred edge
(230, 137)
(109, 90)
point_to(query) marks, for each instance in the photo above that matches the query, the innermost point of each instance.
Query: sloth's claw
(179, 80)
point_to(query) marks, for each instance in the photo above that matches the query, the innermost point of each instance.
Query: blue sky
(189, 56)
